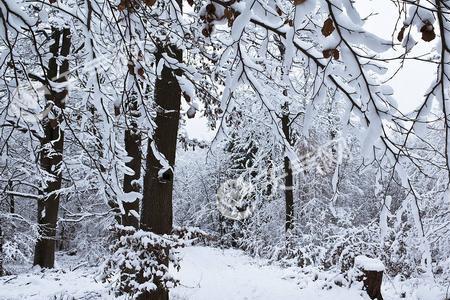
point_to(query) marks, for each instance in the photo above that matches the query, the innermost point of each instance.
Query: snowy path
(214, 274)
(206, 274)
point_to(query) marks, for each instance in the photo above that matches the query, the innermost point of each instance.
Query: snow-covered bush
(139, 262)
(16, 243)
(193, 235)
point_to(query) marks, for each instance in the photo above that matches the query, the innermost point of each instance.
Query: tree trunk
(132, 133)
(288, 178)
(130, 184)
(370, 272)
(156, 212)
(372, 283)
(157, 199)
(52, 151)
(12, 204)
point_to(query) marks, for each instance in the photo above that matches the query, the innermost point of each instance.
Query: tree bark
(52, 151)
(132, 134)
(130, 184)
(157, 199)
(12, 203)
(288, 178)
(372, 283)
(156, 212)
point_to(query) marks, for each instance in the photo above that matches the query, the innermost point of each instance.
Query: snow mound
(369, 264)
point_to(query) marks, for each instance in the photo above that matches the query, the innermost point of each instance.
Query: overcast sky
(409, 84)
(413, 80)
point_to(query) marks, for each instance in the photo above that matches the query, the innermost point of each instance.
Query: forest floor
(208, 273)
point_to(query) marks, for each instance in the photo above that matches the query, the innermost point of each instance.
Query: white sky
(409, 84)
(413, 80)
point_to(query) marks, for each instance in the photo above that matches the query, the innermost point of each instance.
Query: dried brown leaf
(150, 2)
(298, 2)
(428, 32)
(401, 34)
(327, 53)
(328, 27)
(336, 54)
(210, 8)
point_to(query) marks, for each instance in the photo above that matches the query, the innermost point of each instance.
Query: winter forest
(225, 149)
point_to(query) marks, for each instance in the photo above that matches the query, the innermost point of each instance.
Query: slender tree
(288, 177)
(130, 184)
(52, 147)
(286, 129)
(132, 132)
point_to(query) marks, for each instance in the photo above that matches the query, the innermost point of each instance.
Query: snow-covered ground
(206, 273)
(209, 273)
(56, 284)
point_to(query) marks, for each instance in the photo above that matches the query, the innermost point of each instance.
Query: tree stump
(371, 271)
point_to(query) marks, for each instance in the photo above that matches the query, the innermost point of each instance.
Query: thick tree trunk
(156, 212)
(372, 284)
(372, 281)
(288, 178)
(371, 274)
(52, 152)
(130, 184)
